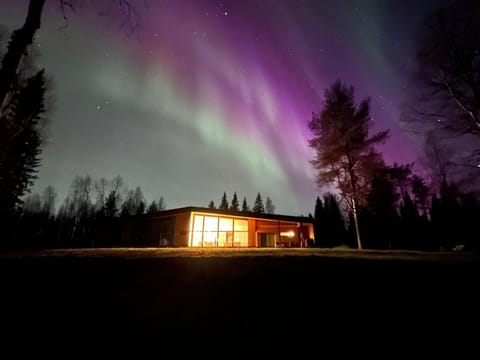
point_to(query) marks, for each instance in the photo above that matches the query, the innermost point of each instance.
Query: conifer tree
(258, 207)
(269, 207)
(223, 202)
(20, 141)
(344, 151)
(234, 205)
(152, 207)
(245, 207)
(319, 222)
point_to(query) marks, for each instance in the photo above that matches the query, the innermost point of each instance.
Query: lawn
(238, 302)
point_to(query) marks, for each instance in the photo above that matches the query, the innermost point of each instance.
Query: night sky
(213, 96)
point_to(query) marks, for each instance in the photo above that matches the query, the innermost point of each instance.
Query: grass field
(238, 302)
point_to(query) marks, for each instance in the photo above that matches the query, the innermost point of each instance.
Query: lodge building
(204, 227)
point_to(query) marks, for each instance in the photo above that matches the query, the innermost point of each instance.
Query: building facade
(203, 227)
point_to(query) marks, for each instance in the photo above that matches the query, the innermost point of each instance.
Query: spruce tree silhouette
(258, 207)
(20, 141)
(224, 202)
(245, 207)
(234, 205)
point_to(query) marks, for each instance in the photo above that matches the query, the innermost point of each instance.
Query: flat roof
(302, 219)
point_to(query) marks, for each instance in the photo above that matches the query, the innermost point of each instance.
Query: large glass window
(198, 223)
(240, 238)
(210, 231)
(197, 234)
(225, 224)
(241, 225)
(217, 231)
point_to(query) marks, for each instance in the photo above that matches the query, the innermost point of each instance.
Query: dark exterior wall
(149, 232)
(182, 229)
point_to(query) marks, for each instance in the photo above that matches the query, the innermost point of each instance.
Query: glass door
(266, 240)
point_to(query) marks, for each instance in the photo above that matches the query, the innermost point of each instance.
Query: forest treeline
(387, 206)
(90, 215)
(258, 207)
(396, 218)
(400, 212)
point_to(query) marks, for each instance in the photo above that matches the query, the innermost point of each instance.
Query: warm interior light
(208, 231)
(211, 224)
(289, 234)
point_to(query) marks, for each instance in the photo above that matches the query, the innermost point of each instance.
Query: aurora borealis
(213, 96)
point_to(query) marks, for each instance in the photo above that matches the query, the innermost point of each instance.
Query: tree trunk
(17, 49)
(353, 183)
(355, 218)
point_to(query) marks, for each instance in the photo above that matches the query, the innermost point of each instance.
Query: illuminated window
(213, 231)
(197, 238)
(211, 224)
(240, 238)
(241, 225)
(225, 238)
(210, 231)
(210, 238)
(197, 230)
(225, 224)
(198, 223)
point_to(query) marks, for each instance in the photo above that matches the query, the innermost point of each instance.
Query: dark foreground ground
(235, 303)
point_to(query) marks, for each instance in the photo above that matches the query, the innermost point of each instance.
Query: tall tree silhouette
(49, 197)
(20, 140)
(101, 189)
(401, 175)
(77, 210)
(445, 215)
(380, 213)
(114, 199)
(421, 193)
(344, 152)
(224, 202)
(332, 230)
(245, 207)
(269, 207)
(78, 203)
(234, 205)
(152, 208)
(211, 205)
(134, 203)
(258, 207)
(411, 225)
(319, 223)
